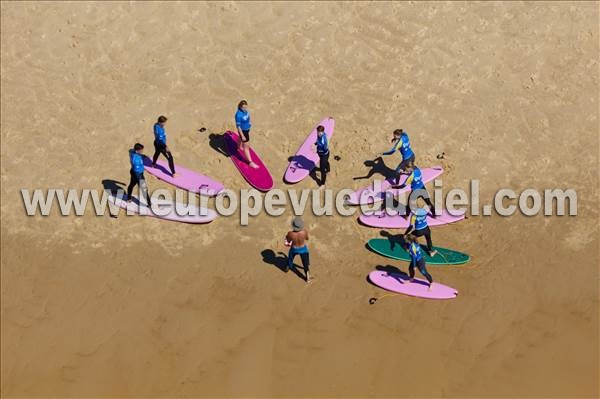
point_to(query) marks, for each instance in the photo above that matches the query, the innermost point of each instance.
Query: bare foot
(175, 175)
(430, 287)
(433, 253)
(253, 165)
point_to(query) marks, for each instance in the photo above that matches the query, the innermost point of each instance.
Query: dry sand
(96, 306)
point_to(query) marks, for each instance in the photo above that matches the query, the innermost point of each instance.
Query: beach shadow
(148, 164)
(217, 143)
(377, 167)
(301, 162)
(394, 239)
(389, 269)
(313, 175)
(280, 261)
(113, 186)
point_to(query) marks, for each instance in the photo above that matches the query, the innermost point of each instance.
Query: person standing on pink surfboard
(417, 260)
(401, 143)
(418, 222)
(243, 125)
(160, 144)
(323, 152)
(415, 179)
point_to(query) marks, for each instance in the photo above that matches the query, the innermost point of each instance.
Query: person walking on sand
(323, 152)
(401, 142)
(136, 158)
(415, 179)
(160, 144)
(243, 125)
(418, 222)
(296, 240)
(417, 260)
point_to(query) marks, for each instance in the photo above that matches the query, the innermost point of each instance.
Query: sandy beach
(95, 306)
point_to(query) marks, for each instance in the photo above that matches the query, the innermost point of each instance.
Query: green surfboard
(395, 250)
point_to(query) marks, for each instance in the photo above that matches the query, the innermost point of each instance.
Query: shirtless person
(296, 241)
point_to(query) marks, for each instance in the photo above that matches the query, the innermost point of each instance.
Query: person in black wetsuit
(160, 144)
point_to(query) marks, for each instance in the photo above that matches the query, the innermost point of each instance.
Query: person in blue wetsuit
(323, 151)
(401, 143)
(419, 227)
(296, 240)
(136, 158)
(160, 144)
(243, 125)
(415, 179)
(417, 260)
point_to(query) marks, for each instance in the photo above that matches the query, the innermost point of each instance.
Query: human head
(398, 133)
(162, 119)
(320, 130)
(138, 148)
(297, 224)
(410, 166)
(243, 105)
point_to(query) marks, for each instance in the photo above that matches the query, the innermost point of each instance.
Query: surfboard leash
(375, 299)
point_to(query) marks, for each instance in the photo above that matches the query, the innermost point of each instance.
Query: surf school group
(313, 156)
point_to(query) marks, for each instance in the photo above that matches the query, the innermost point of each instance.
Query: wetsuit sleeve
(238, 120)
(411, 224)
(393, 150)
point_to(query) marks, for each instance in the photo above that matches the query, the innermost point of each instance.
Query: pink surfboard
(384, 220)
(259, 178)
(370, 195)
(197, 214)
(186, 179)
(306, 157)
(399, 283)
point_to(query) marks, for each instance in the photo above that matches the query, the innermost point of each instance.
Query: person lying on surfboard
(296, 241)
(419, 227)
(136, 158)
(243, 125)
(417, 260)
(415, 179)
(323, 152)
(160, 144)
(401, 142)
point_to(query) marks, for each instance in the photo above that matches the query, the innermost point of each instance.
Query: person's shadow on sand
(280, 261)
(377, 166)
(113, 186)
(301, 162)
(394, 239)
(217, 143)
(389, 269)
